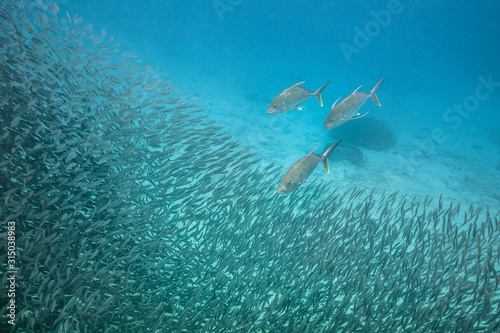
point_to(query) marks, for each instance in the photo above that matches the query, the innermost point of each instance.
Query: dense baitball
(132, 215)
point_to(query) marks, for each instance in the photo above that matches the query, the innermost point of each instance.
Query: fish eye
(289, 183)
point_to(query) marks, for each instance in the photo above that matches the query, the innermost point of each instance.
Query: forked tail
(373, 93)
(327, 153)
(317, 93)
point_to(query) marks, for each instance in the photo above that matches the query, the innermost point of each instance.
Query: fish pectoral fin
(357, 116)
(297, 108)
(303, 181)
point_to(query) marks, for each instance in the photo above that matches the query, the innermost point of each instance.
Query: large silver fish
(292, 97)
(300, 170)
(348, 108)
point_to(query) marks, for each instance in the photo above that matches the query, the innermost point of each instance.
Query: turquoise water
(139, 167)
(237, 56)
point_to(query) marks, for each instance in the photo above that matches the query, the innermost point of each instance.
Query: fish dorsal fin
(355, 91)
(298, 84)
(312, 151)
(334, 103)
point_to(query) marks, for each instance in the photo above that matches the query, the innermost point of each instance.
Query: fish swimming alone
(292, 97)
(347, 109)
(300, 170)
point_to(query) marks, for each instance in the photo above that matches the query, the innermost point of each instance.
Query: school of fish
(136, 213)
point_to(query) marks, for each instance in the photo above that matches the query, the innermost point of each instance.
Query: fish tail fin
(373, 93)
(317, 93)
(325, 165)
(326, 154)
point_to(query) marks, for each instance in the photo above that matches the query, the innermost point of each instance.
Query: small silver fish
(348, 108)
(300, 170)
(292, 97)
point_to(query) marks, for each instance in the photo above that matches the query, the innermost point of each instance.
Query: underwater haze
(145, 186)
(237, 55)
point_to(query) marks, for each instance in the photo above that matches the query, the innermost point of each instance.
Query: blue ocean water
(440, 100)
(129, 209)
